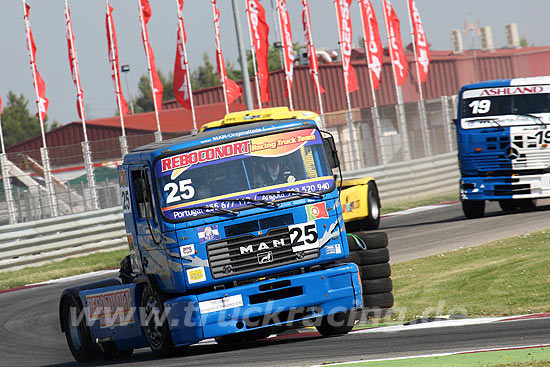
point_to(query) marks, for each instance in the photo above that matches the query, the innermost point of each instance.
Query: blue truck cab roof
(539, 80)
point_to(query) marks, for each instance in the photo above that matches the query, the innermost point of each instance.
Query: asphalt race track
(30, 333)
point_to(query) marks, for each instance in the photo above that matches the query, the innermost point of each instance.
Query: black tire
(336, 324)
(372, 221)
(369, 257)
(245, 337)
(473, 208)
(508, 205)
(371, 240)
(527, 203)
(77, 333)
(375, 271)
(378, 300)
(155, 328)
(374, 286)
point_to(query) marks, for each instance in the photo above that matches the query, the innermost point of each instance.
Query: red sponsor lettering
(205, 155)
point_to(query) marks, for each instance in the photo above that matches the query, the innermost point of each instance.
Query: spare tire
(375, 271)
(368, 257)
(378, 300)
(367, 240)
(373, 286)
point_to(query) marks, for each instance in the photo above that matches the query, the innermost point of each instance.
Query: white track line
(433, 355)
(76, 277)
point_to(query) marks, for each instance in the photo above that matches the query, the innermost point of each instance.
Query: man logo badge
(265, 257)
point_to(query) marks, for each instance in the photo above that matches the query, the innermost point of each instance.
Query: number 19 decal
(303, 236)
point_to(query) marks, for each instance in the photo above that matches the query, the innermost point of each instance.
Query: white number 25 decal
(480, 106)
(303, 236)
(181, 191)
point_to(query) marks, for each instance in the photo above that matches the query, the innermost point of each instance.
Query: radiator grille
(245, 254)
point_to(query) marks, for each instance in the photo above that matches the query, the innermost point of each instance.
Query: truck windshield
(241, 174)
(505, 106)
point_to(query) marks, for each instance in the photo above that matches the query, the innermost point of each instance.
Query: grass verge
(399, 206)
(506, 277)
(61, 269)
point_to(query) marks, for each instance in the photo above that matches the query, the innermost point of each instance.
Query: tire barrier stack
(369, 250)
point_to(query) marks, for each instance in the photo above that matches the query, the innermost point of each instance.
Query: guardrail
(413, 179)
(37, 242)
(34, 243)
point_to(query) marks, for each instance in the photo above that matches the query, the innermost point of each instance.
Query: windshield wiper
(302, 194)
(489, 119)
(255, 202)
(206, 207)
(532, 116)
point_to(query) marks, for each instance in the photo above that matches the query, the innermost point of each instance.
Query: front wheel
(155, 324)
(336, 324)
(473, 208)
(373, 202)
(77, 333)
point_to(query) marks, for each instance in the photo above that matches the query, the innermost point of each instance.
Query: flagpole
(6, 176)
(421, 106)
(253, 51)
(118, 92)
(374, 112)
(287, 68)
(158, 135)
(52, 199)
(219, 55)
(189, 89)
(400, 107)
(367, 55)
(349, 119)
(85, 144)
(348, 101)
(315, 72)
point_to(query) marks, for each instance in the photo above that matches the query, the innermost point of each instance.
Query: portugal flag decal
(316, 211)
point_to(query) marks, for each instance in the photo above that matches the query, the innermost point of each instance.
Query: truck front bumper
(505, 187)
(265, 303)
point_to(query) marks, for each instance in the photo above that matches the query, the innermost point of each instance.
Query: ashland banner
(344, 23)
(399, 60)
(232, 89)
(39, 84)
(422, 46)
(311, 54)
(73, 62)
(288, 49)
(260, 40)
(374, 43)
(112, 44)
(158, 88)
(182, 86)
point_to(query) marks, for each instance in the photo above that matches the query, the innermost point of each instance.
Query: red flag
(113, 59)
(312, 56)
(232, 89)
(73, 62)
(374, 44)
(182, 86)
(260, 34)
(344, 22)
(157, 88)
(422, 46)
(42, 102)
(399, 60)
(288, 49)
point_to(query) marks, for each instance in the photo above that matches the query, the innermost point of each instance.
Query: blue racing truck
(234, 232)
(504, 144)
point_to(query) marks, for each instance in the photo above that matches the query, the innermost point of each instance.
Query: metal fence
(366, 138)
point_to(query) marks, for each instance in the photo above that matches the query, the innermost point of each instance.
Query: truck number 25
(303, 235)
(180, 191)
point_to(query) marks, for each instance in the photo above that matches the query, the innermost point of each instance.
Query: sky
(88, 17)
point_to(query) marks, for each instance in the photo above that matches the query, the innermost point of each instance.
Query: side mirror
(331, 151)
